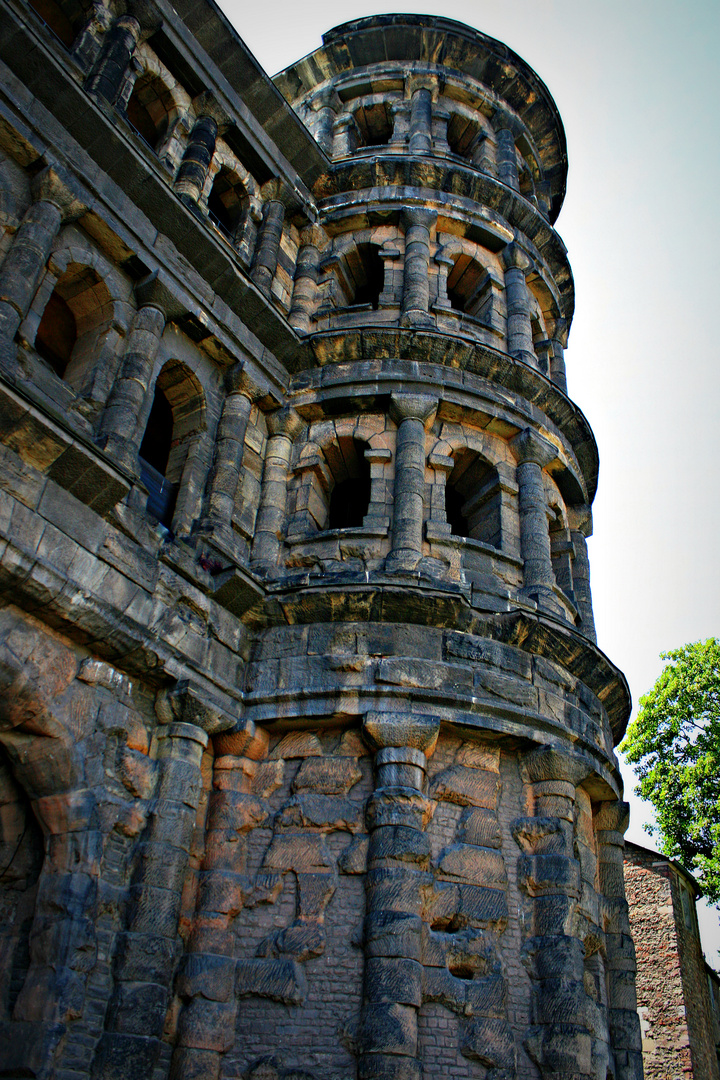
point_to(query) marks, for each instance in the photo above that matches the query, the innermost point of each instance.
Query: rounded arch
(464, 125)
(82, 307)
(156, 102)
(359, 268)
(229, 190)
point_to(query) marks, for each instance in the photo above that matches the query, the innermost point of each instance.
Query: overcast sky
(637, 84)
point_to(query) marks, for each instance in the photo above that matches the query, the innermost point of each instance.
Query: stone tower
(307, 741)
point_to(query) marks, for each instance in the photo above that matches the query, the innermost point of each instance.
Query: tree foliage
(674, 744)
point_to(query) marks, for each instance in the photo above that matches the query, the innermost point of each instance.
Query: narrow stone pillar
(206, 981)
(421, 92)
(117, 51)
(196, 159)
(483, 153)
(560, 1040)
(416, 284)
(268, 245)
(557, 355)
(611, 821)
(507, 170)
(123, 423)
(56, 200)
(398, 861)
(345, 136)
(580, 522)
(284, 425)
(444, 262)
(242, 391)
(533, 453)
(519, 308)
(413, 413)
(313, 242)
(146, 953)
(325, 107)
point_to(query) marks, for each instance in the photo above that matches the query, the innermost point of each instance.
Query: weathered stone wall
(676, 1013)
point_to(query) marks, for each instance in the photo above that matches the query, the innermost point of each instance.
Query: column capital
(240, 379)
(327, 98)
(153, 291)
(413, 83)
(277, 191)
(285, 421)
(413, 407)
(613, 816)
(580, 519)
(514, 257)
(207, 104)
(528, 446)
(186, 703)
(413, 730)
(314, 236)
(548, 763)
(418, 215)
(58, 186)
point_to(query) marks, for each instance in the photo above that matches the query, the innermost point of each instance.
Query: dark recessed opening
(454, 503)
(371, 276)
(461, 971)
(463, 283)
(53, 15)
(226, 203)
(141, 119)
(350, 498)
(56, 334)
(155, 448)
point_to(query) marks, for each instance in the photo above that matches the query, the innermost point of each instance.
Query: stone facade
(307, 743)
(678, 993)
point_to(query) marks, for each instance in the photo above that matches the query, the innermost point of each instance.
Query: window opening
(226, 204)
(350, 497)
(467, 285)
(57, 333)
(374, 124)
(369, 274)
(472, 499)
(154, 457)
(149, 108)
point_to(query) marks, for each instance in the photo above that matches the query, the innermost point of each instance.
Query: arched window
(374, 122)
(53, 16)
(368, 272)
(78, 311)
(350, 495)
(227, 203)
(469, 287)
(57, 333)
(472, 499)
(149, 108)
(460, 133)
(176, 417)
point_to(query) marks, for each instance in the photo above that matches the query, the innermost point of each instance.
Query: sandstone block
(466, 787)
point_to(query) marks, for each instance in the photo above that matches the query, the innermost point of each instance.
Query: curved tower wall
(306, 743)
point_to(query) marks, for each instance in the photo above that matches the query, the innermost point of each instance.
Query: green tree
(674, 744)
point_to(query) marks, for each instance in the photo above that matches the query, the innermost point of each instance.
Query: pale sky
(637, 84)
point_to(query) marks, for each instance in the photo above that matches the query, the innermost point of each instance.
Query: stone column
(507, 170)
(444, 263)
(146, 953)
(412, 413)
(421, 92)
(118, 47)
(56, 200)
(560, 1040)
(557, 355)
(284, 425)
(519, 309)
(269, 237)
(416, 285)
(398, 860)
(123, 423)
(325, 107)
(206, 981)
(580, 522)
(611, 821)
(533, 453)
(345, 136)
(313, 242)
(196, 159)
(242, 390)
